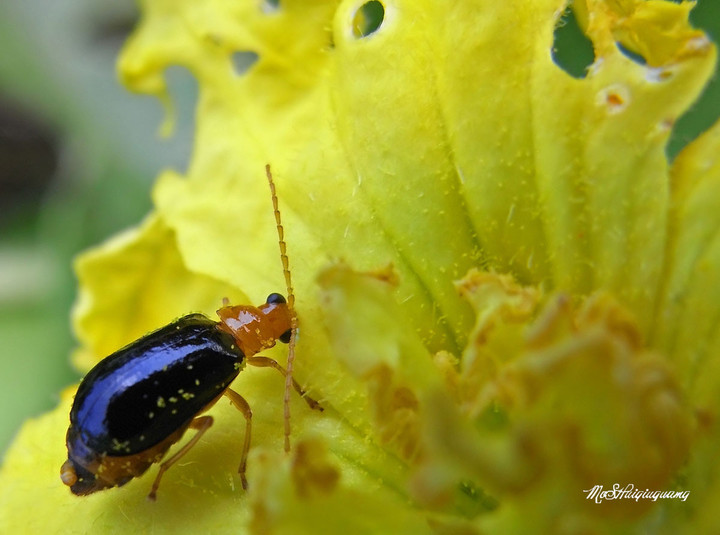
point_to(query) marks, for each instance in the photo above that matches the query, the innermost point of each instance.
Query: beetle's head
(257, 328)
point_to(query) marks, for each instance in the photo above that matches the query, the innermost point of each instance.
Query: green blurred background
(78, 155)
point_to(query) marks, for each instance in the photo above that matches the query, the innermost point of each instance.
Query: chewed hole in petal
(615, 98)
(368, 18)
(243, 60)
(634, 56)
(572, 50)
(658, 74)
(270, 6)
(183, 88)
(665, 125)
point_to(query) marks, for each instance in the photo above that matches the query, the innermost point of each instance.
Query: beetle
(137, 402)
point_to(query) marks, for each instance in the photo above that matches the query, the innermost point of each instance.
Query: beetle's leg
(265, 362)
(243, 407)
(290, 359)
(201, 424)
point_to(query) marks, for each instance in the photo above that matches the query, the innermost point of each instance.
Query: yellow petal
(380, 348)
(418, 146)
(582, 404)
(143, 262)
(687, 328)
(203, 487)
(537, 197)
(310, 495)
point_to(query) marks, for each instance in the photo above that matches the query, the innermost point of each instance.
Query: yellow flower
(506, 293)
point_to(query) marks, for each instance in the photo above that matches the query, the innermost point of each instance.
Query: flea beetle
(136, 403)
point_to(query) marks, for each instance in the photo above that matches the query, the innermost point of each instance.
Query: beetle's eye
(285, 337)
(275, 299)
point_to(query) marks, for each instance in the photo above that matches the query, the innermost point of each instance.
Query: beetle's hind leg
(265, 362)
(201, 424)
(243, 407)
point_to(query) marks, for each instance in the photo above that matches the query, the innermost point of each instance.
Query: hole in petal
(177, 150)
(268, 6)
(706, 110)
(615, 98)
(243, 60)
(658, 74)
(572, 51)
(368, 19)
(634, 56)
(665, 125)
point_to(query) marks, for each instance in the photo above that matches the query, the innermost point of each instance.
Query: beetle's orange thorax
(255, 328)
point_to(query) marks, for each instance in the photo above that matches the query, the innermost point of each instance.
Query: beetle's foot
(313, 404)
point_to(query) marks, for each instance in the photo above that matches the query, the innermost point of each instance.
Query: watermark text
(598, 493)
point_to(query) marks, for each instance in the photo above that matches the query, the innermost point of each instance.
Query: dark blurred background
(78, 155)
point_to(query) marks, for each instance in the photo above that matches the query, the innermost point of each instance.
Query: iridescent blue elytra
(139, 395)
(159, 380)
(134, 404)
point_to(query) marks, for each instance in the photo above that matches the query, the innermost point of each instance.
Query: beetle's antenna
(290, 303)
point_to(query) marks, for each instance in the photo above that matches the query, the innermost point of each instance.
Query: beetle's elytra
(136, 403)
